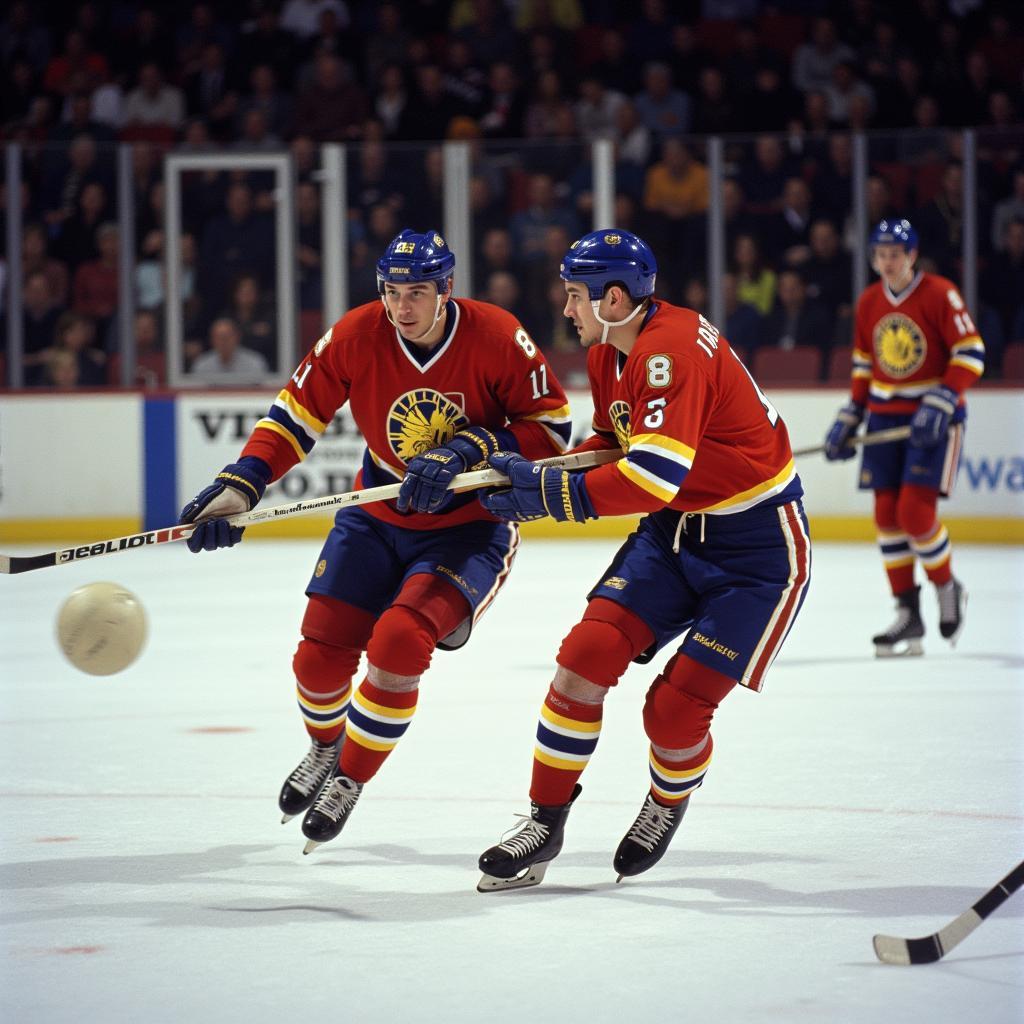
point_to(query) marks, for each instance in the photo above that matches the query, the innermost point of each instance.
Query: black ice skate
(952, 602)
(522, 860)
(903, 637)
(648, 837)
(331, 809)
(301, 787)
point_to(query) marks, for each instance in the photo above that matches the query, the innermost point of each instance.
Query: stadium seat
(840, 361)
(311, 328)
(1013, 362)
(798, 365)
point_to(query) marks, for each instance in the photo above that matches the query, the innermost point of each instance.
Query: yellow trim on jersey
(909, 389)
(676, 450)
(635, 476)
(300, 412)
(973, 341)
(973, 363)
(275, 427)
(780, 479)
(562, 414)
(399, 473)
(572, 724)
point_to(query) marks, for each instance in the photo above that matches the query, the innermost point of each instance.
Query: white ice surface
(144, 875)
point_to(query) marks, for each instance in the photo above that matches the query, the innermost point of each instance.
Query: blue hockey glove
(931, 421)
(837, 441)
(238, 488)
(425, 487)
(537, 491)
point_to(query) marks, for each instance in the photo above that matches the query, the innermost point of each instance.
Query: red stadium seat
(797, 365)
(840, 361)
(1013, 362)
(311, 328)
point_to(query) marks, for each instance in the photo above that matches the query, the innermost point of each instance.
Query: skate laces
(338, 797)
(651, 824)
(530, 835)
(313, 767)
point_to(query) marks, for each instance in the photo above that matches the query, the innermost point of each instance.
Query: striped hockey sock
(936, 555)
(324, 713)
(898, 559)
(566, 737)
(673, 781)
(377, 720)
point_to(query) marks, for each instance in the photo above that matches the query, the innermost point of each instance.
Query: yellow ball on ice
(101, 628)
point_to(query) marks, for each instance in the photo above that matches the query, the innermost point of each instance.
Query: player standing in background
(916, 351)
(435, 385)
(723, 554)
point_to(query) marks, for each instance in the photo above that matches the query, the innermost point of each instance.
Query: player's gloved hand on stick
(837, 444)
(238, 488)
(537, 491)
(931, 421)
(425, 487)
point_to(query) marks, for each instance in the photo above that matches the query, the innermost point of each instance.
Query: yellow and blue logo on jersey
(420, 420)
(899, 345)
(618, 412)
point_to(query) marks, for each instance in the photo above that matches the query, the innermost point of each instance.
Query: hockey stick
(878, 437)
(892, 950)
(11, 564)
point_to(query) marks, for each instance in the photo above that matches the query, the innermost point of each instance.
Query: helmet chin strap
(608, 324)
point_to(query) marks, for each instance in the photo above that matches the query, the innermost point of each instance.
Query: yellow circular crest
(420, 420)
(899, 345)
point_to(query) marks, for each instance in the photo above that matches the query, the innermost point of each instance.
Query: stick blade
(903, 952)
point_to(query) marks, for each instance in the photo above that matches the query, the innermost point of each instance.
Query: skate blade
(285, 818)
(904, 649)
(530, 877)
(953, 637)
(310, 846)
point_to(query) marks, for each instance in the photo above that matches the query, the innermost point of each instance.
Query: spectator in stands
(485, 27)
(150, 359)
(77, 120)
(302, 17)
(677, 185)
(40, 312)
(76, 242)
(597, 109)
(153, 101)
(309, 244)
(1002, 281)
(714, 112)
(94, 289)
(20, 35)
(616, 67)
(797, 320)
(464, 79)
(1009, 209)
(35, 258)
(504, 104)
(254, 317)
(227, 363)
(828, 273)
(75, 335)
(940, 223)
(332, 108)
(744, 325)
(649, 36)
(430, 108)
(529, 226)
(764, 177)
(64, 182)
(975, 89)
(633, 137)
(264, 43)
(737, 220)
(833, 182)
(240, 240)
(387, 44)
(663, 108)
(265, 96)
(61, 370)
(787, 233)
(77, 69)
(755, 282)
(814, 61)
(769, 104)
(503, 289)
(546, 115)
(391, 98)
(843, 90)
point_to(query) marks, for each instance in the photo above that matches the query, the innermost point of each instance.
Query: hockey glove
(931, 421)
(425, 487)
(837, 444)
(238, 488)
(536, 492)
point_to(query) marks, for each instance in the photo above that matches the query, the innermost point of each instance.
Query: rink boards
(91, 466)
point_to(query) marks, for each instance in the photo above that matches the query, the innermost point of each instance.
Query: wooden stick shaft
(878, 437)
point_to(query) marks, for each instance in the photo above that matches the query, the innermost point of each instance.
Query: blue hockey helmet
(894, 232)
(412, 258)
(604, 257)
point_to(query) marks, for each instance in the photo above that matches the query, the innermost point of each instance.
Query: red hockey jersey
(485, 372)
(906, 344)
(697, 432)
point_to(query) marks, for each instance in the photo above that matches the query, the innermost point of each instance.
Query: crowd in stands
(529, 84)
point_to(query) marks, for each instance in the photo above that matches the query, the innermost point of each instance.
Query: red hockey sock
(566, 737)
(377, 720)
(673, 781)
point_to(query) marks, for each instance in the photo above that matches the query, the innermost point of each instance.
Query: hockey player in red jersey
(435, 385)
(916, 352)
(722, 556)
